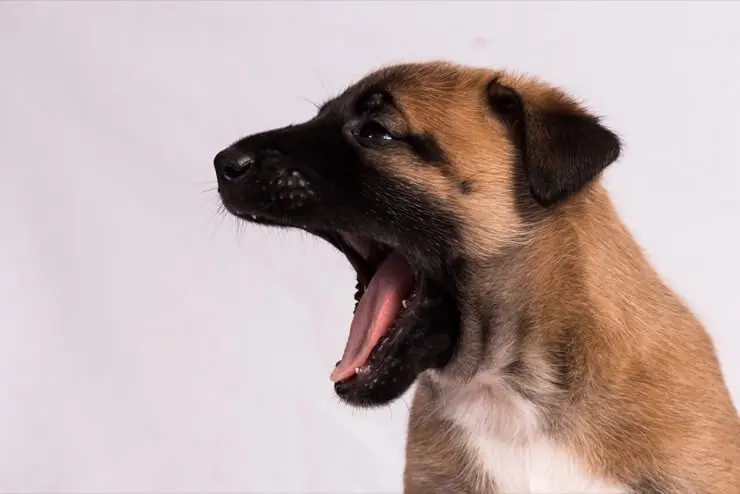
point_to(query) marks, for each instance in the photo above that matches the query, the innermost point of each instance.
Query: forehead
(421, 87)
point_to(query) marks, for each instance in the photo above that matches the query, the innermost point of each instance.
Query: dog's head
(415, 173)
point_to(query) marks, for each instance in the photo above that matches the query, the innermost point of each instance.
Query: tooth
(357, 370)
(405, 303)
(253, 216)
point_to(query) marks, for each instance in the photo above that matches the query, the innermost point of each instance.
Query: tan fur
(647, 406)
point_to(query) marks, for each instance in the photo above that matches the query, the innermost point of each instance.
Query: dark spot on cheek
(466, 186)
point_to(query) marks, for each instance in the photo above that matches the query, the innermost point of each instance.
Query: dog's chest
(512, 456)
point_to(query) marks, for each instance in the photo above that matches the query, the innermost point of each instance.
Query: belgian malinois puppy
(494, 273)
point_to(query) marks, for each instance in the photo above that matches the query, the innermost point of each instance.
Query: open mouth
(386, 296)
(405, 321)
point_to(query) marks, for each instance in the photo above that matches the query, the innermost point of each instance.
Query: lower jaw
(388, 372)
(374, 387)
(427, 342)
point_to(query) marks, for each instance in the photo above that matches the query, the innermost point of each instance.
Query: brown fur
(583, 327)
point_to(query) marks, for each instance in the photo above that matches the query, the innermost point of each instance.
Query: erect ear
(561, 146)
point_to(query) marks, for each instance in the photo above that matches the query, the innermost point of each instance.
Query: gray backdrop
(147, 345)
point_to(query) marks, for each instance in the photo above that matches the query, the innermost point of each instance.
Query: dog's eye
(374, 131)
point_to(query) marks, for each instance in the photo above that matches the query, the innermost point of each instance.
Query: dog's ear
(561, 147)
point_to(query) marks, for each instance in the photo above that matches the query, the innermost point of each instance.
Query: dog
(495, 277)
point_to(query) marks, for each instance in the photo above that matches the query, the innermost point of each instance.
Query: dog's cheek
(404, 212)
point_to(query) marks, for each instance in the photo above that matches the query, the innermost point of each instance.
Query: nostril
(238, 167)
(233, 163)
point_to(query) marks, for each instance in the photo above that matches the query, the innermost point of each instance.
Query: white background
(147, 345)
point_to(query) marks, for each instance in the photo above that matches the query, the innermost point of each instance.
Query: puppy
(494, 273)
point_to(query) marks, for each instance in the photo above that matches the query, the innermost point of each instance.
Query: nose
(231, 164)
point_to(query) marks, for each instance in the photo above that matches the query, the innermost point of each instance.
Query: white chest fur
(504, 435)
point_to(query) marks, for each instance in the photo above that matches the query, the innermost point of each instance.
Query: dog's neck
(581, 341)
(526, 338)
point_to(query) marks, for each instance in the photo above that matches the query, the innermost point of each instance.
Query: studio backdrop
(150, 344)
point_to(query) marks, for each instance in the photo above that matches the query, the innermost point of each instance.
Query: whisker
(239, 229)
(220, 211)
(323, 81)
(314, 104)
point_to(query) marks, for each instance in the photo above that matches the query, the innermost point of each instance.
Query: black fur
(372, 99)
(564, 153)
(560, 150)
(428, 149)
(317, 176)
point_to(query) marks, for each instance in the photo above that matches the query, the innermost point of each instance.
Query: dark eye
(374, 131)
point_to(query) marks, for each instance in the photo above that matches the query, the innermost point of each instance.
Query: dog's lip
(360, 260)
(260, 219)
(363, 251)
(248, 215)
(360, 245)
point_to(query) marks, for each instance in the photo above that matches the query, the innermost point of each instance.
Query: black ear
(561, 147)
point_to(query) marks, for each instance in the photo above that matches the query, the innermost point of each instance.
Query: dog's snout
(232, 164)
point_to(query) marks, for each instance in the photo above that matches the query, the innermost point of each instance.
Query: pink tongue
(378, 308)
